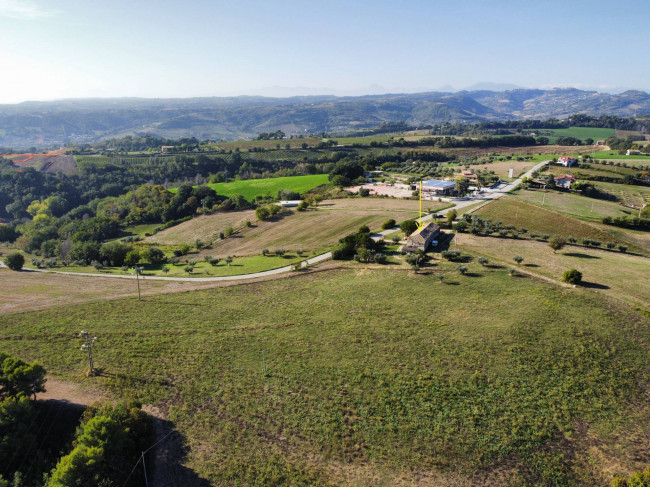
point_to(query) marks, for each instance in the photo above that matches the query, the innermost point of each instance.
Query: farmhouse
(469, 175)
(435, 187)
(564, 181)
(567, 161)
(422, 238)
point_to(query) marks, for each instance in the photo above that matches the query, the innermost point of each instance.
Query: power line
(141, 459)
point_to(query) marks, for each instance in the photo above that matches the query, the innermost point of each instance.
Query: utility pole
(137, 279)
(88, 346)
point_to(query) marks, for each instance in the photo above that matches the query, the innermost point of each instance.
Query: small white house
(567, 161)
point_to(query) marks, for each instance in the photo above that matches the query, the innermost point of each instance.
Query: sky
(116, 48)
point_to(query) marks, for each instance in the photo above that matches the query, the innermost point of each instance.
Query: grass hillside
(373, 377)
(511, 211)
(250, 188)
(310, 230)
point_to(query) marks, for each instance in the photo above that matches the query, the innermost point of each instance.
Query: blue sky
(74, 48)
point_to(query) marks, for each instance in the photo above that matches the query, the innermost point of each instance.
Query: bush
(451, 254)
(518, 259)
(556, 243)
(572, 276)
(302, 206)
(15, 261)
(388, 224)
(462, 269)
(461, 226)
(622, 248)
(611, 245)
(132, 258)
(637, 479)
(363, 192)
(364, 229)
(229, 231)
(408, 227)
(483, 261)
(545, 236)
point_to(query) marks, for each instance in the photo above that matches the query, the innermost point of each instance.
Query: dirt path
(59, 390)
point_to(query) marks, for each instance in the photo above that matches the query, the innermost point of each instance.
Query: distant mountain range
(87, 120)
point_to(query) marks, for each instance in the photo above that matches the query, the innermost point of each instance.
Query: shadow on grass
(473, 274)
(531, 265)
(168, 456)
(593, 285)
(581, 255)
(495, 266)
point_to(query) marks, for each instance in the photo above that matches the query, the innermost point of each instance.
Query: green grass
(585, 133)
(250, 188)
(359, 377)
(513, 211)
(573, 204)
(239, 265)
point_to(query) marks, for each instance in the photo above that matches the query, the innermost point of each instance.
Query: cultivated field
(205, 228)
(613, 273)
(309, 230)
(573, 204)
(250, 188)
(512, 211)
(368, 377)
(594, 133)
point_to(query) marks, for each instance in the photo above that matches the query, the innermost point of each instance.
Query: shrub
(518, 259)
(248, 224)
(461, 226)
(572, 240)
(185, 249)
(302, 206)
(451, 254)
(556, 243)
(228, 260)
(188, 268)
(214, 261)
(622, 248)
(483, 261)
(229, 231)
(637, 479)
(395, 239)
(265, 252)
(198, 244)
(388, 224)
(512, 272)
(132, 258)
(165, 270)
(300, 252)
(572, 276)
(280, 252)
(545, 236)
(381, 258)
(154, 255)
(611, 245)
(15, 261)
(177, 252)
(364, 229)
(462, 269)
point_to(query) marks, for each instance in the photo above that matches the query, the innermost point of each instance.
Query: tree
(462, 269)
(572, 276)
(228, 260)
(550, 181)
(556, 242)
(408, 227)
(483, 261)
(114, 252)
(154, 255)
(132, 258)
(451, 216)
(15, 261)
(518, 259)
(18, 378)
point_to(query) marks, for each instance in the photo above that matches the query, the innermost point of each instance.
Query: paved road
(460, 203)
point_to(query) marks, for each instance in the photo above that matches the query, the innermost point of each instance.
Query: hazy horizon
(203, 49)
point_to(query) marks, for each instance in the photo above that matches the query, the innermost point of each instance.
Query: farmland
(573, 204)
(297, 379)
(250, 188)
(309, 230)
(585, 133)
(512, 211)
(608, 272)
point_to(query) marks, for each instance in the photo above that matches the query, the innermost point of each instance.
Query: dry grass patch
(205, 228)
(512, 211)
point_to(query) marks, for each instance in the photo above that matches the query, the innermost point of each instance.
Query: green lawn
(250, 188)
(239, 265)
(367, 377)
(585, 133)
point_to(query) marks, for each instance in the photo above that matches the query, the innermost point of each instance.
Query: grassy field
(627, 193)
(309, 230)
(205, 228)
(23, 291)
(513, 211)
(612, 273)
(368, 377)
(268, 144)
(573, 204)
(585, 133)
(250, 188)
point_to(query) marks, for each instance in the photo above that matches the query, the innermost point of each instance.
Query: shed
(422, 238)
